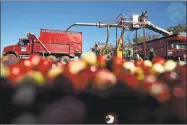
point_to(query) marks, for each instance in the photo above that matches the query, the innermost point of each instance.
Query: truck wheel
(51, 57)
(65, 59)
(11, 56)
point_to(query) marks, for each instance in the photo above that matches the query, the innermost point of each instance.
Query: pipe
(108, 34)
(116, 37)
(136, 37)
(97, 25)
(82, 24)
(123, 42)
(122, 36)
(144, 42)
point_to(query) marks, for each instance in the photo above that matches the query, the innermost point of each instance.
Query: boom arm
(157, 29)
(32, 36)
(149, 26)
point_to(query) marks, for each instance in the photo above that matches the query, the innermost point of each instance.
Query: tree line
(175, 29)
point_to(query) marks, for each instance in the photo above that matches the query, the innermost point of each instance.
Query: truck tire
(51, 57)
(64, 59)
(11, 56)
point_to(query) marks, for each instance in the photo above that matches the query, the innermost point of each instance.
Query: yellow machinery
(120, 45)
(119, 50)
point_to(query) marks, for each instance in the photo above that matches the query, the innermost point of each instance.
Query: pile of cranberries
(87, 90)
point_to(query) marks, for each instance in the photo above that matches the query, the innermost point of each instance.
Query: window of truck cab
(177, 44)
(172, 44)
(23, 42)
(181, 46)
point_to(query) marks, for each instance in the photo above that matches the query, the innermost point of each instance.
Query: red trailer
(54, 44)
(169, 47)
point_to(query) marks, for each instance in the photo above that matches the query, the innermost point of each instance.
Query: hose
(108, 34)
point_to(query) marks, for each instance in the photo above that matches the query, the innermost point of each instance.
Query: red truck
(169, 47)
(55, 44)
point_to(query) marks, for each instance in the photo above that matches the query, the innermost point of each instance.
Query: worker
(143, 16)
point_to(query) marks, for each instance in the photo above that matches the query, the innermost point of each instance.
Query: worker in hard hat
(143, 16)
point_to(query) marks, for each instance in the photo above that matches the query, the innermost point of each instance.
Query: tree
(149, 36)
(102, 48)
(177, 29)
(140, 38)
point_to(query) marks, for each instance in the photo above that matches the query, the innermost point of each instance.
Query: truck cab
(25, 46)
(169, 47)
(177, 48)
(22, 49)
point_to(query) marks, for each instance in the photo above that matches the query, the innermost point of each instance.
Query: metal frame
(126, 25)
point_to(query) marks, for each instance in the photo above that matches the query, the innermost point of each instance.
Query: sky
(18, 18)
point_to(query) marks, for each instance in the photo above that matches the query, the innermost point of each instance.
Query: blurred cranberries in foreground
(38, 90)
(104, 79)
